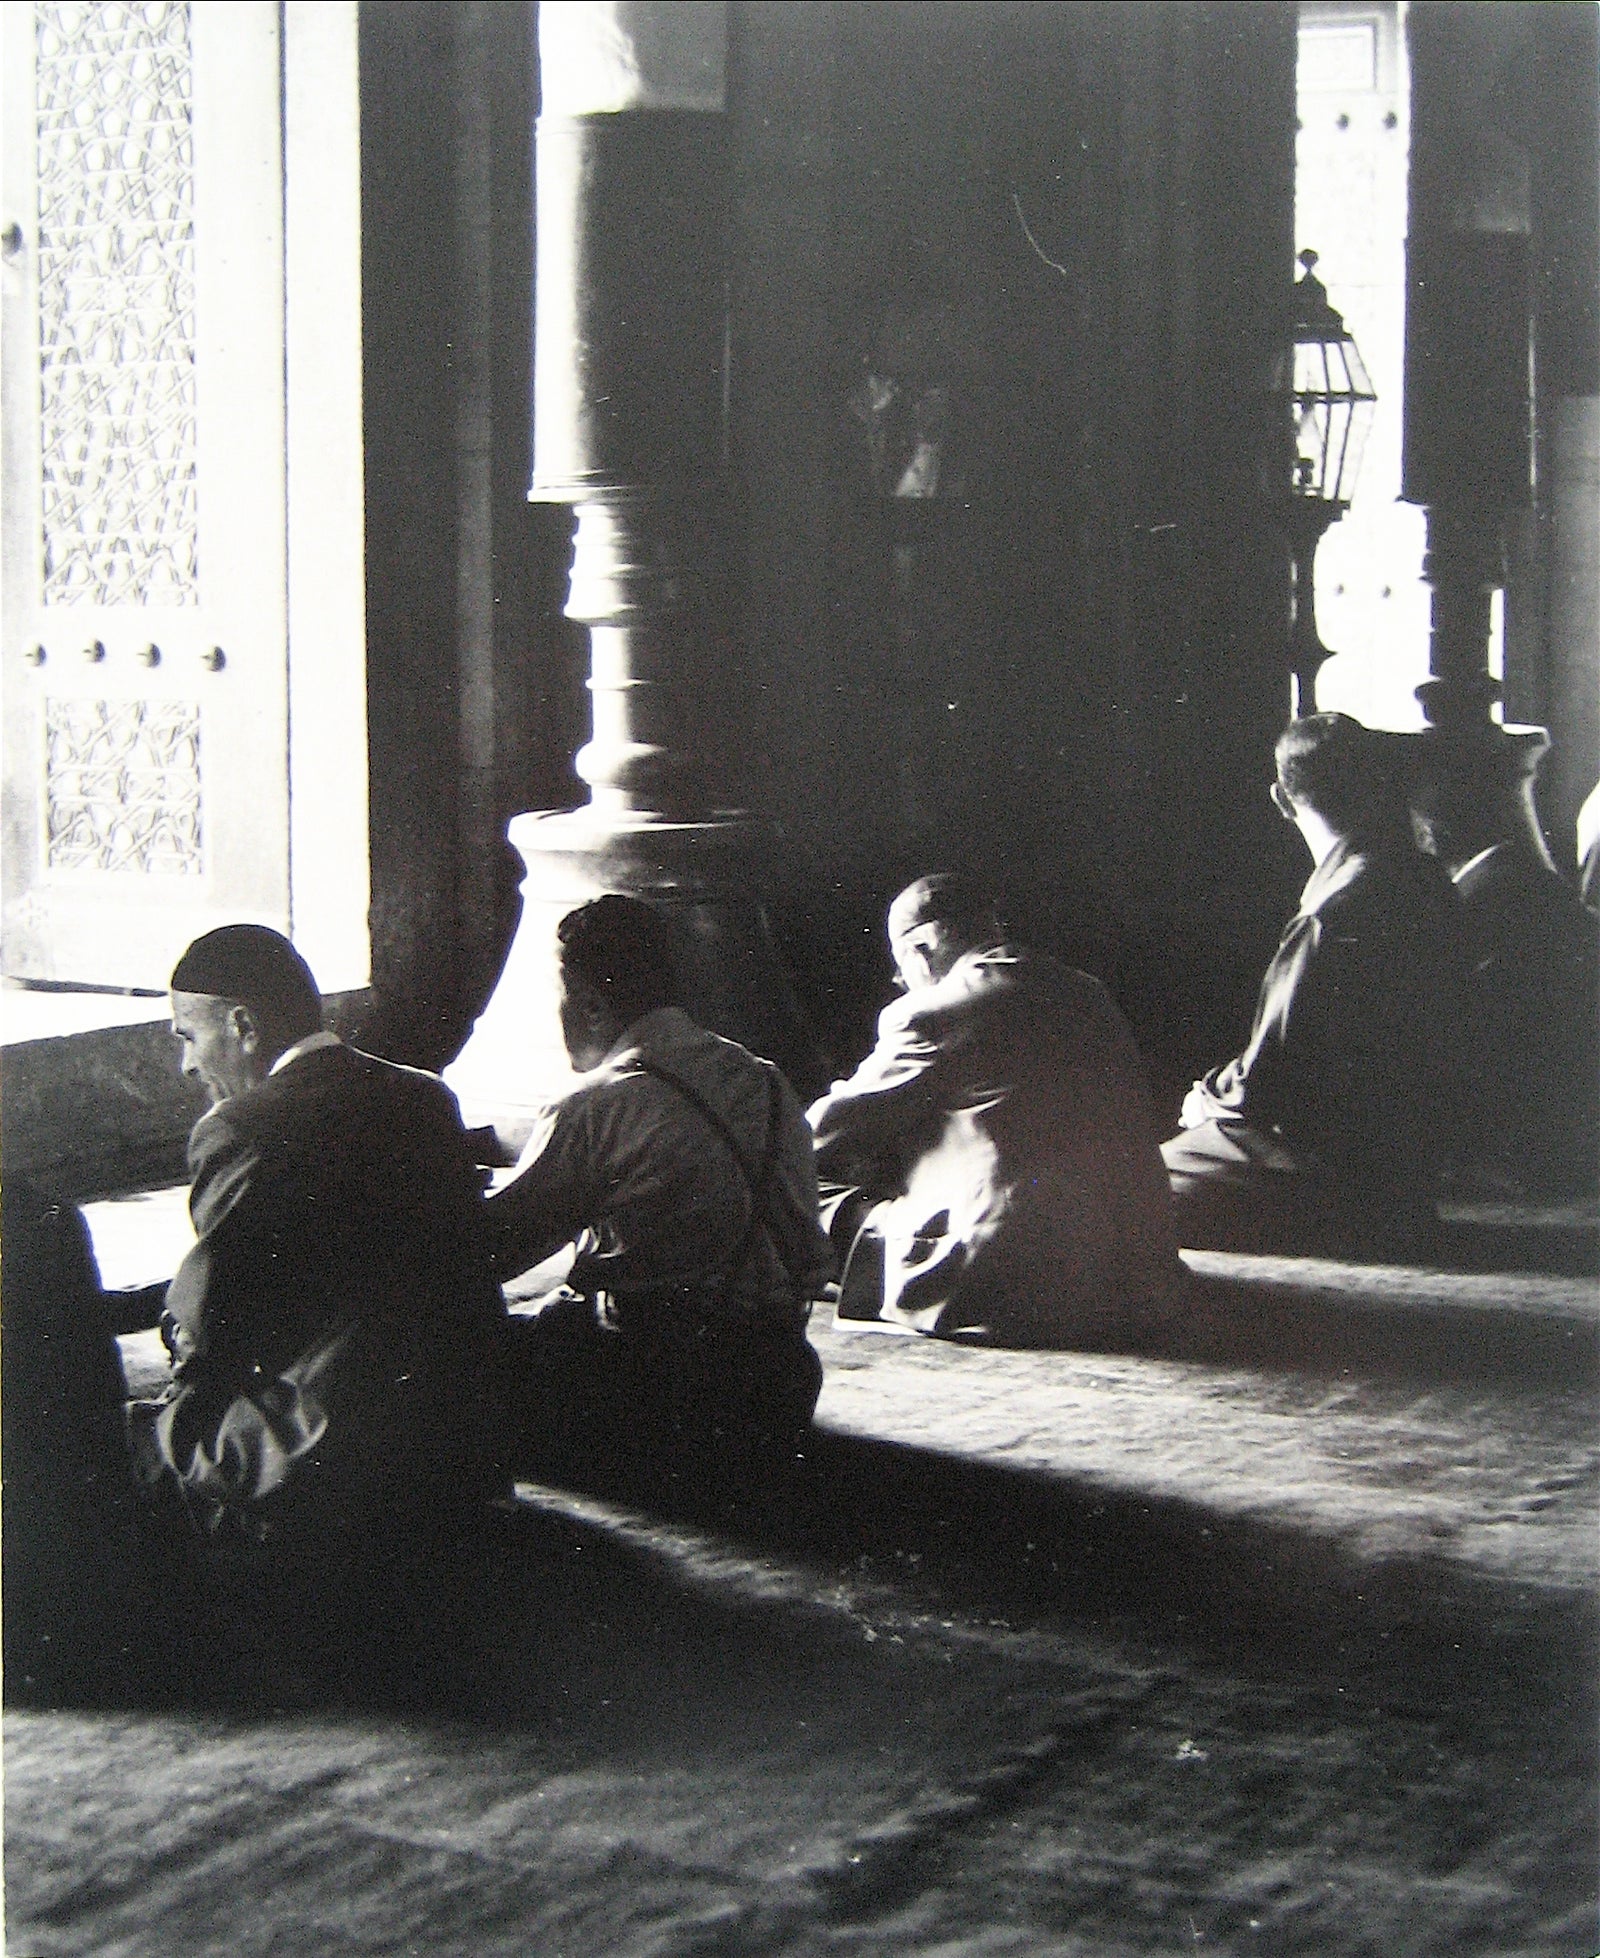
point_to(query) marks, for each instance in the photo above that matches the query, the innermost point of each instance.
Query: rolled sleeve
(556, 1191)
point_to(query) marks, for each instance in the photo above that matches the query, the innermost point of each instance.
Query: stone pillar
(1565, 138)
(630, 387)
(1468, 409)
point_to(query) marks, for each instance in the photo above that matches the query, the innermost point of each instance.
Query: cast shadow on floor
(605, 1568)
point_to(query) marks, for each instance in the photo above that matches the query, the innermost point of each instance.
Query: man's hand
(1197, 1107)
(134, 1309)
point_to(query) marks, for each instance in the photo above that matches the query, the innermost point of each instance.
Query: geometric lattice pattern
(122, 786)
(115, 94)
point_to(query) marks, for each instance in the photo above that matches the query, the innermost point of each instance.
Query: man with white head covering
(335, 1328)
(997, 1147)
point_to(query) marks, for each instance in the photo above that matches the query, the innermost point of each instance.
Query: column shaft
(630, 389)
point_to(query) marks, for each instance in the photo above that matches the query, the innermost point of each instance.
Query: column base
(708, 877)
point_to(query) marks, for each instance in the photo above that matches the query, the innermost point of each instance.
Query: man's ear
(585, 1000)
(246, 1031)
(1283, 802)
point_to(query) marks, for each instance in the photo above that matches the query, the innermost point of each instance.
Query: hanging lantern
(1326, 381)
(1321, 380)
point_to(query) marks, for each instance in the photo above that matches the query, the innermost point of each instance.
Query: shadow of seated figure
(1529, 1042)
(77, 1617)
(1329, 1132)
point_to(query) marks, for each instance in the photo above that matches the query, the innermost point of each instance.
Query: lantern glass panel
(1357, 379)
(1332, 408)
(1313, 443)
(1355, 441)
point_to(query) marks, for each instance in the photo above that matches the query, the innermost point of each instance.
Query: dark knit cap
(256, 966)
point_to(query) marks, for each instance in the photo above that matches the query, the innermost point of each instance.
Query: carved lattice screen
(122, 785)
(116, 303)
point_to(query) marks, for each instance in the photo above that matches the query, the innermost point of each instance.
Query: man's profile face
(586, 1041)
(219, 1042)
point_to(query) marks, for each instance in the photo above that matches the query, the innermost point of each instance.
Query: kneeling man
(992, 1163)
(679, 1168)
(336, 1329)
(1329, 1130)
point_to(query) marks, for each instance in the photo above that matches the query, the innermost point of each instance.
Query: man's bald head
(935, 921)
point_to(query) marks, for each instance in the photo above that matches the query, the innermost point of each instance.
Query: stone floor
(1384, 1409)
(1281, 1640)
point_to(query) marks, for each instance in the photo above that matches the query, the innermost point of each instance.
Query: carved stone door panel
(143, 669)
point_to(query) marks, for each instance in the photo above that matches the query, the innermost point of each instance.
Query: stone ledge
(106, 1111)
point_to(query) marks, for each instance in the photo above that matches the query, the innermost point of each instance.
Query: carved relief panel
(144, 657)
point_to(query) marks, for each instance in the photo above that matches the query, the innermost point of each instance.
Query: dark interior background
(1067, 677)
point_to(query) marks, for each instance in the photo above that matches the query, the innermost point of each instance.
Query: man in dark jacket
(1531, 1035)
(335, 1328)
(1335, 1119)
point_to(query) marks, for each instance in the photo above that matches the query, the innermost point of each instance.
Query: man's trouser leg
(588, 1395)
(846, 1216)
(1227, 1195)
(566, 1377)
(1230, 1192)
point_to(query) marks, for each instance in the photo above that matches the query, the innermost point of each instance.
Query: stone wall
(1062, 670)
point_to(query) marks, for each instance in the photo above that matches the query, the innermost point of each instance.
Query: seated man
(997, 1147)
(335, 1330)
(1329, 1130)
(679, 1167)
(1530, 1040)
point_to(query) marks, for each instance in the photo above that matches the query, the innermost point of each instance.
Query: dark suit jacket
(1353, 1063)
(335, 1326)
(1533, 1037)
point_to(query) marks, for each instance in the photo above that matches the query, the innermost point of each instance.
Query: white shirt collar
(661, 1022)
(309, 1045)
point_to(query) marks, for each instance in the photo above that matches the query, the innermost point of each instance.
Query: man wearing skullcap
(335, 1328)
(992, 1164)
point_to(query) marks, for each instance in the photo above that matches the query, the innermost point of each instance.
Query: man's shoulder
(1384, 879)
(669, 1041)
(622, 1078)
(1511, 901)
(985, 989)
(316, 1088)
(1019, 977)
(361, 1069)
(1507, 875)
